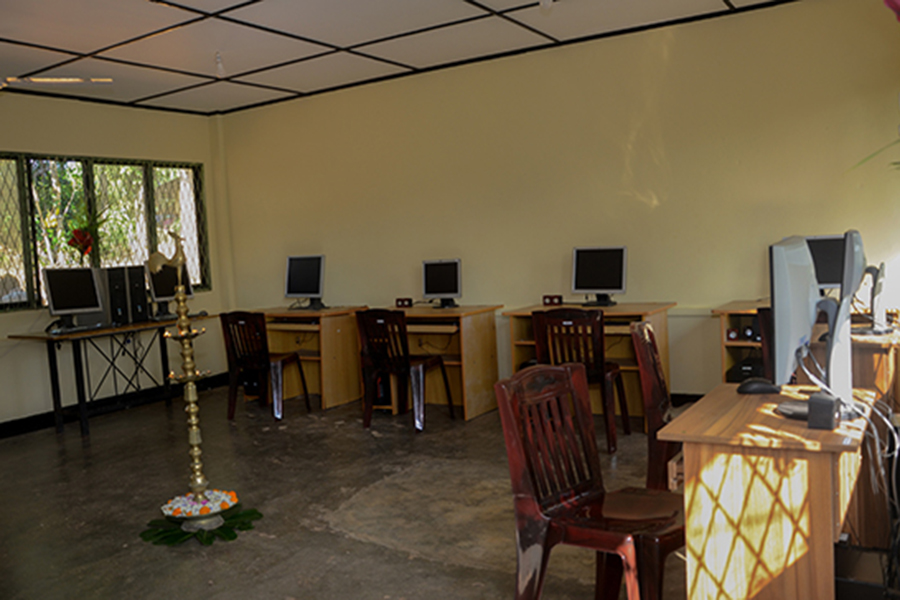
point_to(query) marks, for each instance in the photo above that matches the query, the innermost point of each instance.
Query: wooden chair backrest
(549, 432)
(383, 341)
(246, 342)
(571, 335)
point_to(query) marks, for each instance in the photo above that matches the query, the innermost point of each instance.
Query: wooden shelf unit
(737, 315)
(619, 348)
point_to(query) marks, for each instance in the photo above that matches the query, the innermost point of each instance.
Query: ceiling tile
(219, 96)
(211, 6)
(129, 83)
(193, 48)
(350, 22)
(332, 70)
(83, 25)
(572, 19)
(483, 37)
(16, 60)
(506, 4)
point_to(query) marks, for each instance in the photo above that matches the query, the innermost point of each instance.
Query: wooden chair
(558, 490)
(657, 407)
(251, 365)
(384, 351)
(566, 335)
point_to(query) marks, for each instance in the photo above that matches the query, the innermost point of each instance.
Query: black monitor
(71, 292)
(442, 280)
(828, 258)
(599, 271)
(163, 284)
(304, 278)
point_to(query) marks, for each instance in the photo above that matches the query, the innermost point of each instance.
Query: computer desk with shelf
(766, 498)
(328, 343)
(466, 336)
(875, 357)
(617, 331)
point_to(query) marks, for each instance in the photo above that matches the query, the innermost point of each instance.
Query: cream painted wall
(41, 125)
(697, 146)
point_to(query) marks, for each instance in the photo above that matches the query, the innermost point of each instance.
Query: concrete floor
(382, 514)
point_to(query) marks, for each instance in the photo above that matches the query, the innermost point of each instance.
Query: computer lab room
(470, 299)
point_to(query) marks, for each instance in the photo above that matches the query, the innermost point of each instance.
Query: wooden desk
(328, 343)
(467, 338)
(764, 497)
(121, 346)
(619, 348)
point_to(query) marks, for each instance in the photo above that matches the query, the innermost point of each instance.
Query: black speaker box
(117, 295)
(137, 294)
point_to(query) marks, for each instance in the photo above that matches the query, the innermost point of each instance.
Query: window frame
(26, 202)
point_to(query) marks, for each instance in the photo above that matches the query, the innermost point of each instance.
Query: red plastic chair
(384, 351)
(251, 365)
(657, 405)
(565, 335)
(558, 489)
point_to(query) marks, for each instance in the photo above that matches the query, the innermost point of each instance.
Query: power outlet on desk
(403, 302)
(552, 300)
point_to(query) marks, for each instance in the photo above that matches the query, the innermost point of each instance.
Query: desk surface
(284, 312)
(430, 312)
(725, 417)
(100, 331)
(623, 309)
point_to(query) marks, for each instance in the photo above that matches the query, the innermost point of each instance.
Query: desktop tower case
(117, 294)
(124, 293)
(139, 311)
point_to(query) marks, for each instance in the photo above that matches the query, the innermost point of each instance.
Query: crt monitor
(599, 271)
(442, 280)
(828, 257)
(304, 278)
(72, 292)
(162, 286)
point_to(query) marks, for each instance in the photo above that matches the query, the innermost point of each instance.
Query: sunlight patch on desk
(752, 537)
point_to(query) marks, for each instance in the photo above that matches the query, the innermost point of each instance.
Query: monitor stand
(314, 304)
(448, 303)
(602, 300)
(162, 312)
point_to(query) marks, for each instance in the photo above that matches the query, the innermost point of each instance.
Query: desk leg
(79, 387)
(164, 362)
(54, 385)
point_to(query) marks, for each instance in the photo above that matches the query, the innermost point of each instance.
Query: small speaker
(552, 300)
(137, 294)
(403, 302)
(824, 411)
(117, 293)
(732, 334)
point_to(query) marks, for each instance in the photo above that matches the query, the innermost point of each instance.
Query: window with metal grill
(75, 211)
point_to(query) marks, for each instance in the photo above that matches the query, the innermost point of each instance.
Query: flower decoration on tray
(218, 515)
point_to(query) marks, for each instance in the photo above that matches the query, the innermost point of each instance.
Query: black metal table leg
(54, 385)
(164, 362)
(79, 387)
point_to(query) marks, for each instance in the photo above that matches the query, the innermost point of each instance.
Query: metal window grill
(128, 207)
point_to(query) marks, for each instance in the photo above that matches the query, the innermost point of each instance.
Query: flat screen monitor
(163, 284)
(795, 296)
(304, 278)
(828, 257)
(72, 292)
(442, 280)
(599, 271)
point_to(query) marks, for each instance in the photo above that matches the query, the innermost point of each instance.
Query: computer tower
(117, 296)
(139, 310)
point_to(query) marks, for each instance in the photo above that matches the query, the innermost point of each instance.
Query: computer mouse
(758, 385)
(203, 313)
